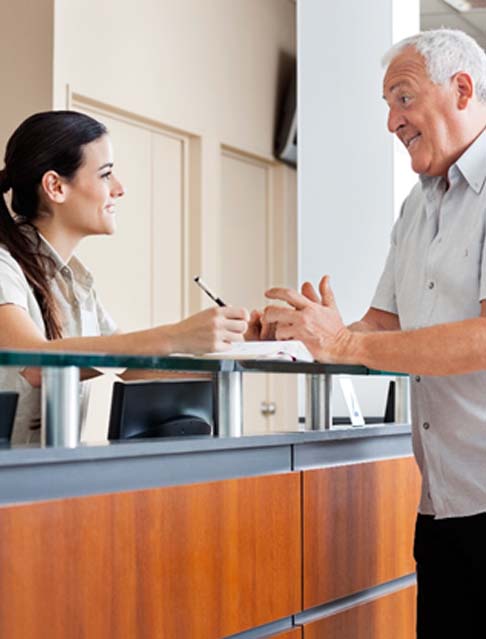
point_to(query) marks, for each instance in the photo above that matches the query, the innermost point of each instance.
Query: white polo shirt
(81, 314)
(436, 273)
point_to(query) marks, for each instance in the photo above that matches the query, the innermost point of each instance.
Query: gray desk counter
(32, 474)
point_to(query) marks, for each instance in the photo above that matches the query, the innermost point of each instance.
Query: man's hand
(259, 329)
(314, 320)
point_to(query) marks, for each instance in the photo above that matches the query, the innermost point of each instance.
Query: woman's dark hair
(50, 141)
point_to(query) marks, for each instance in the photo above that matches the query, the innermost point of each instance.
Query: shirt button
(426, 425)
(431, 285)
(417, 378)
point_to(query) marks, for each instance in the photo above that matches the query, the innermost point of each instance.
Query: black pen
(208, 292)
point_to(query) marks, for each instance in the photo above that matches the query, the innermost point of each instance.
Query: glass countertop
(176, 363)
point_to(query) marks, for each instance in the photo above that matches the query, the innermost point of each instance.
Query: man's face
(423, 115)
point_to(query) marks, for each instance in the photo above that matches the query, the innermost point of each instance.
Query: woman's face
(90, 197)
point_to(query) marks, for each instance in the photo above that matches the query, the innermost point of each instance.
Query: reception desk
(289, 536)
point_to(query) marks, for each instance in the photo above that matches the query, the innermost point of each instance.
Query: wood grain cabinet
(294, 633)
(358, 527)
(201, 561)
(390, 616)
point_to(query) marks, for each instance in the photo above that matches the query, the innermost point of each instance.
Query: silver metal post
(60, 406)
(229, 401)
(402, 400)
(318, 413)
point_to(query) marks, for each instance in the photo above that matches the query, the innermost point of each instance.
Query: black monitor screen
(8, 407)
(166, 408)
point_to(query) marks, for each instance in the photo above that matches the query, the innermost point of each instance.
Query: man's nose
(395, 120)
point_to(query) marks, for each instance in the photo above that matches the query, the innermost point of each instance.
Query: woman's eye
(106, 176)
(404, 99)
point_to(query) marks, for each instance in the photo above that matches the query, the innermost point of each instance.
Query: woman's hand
(32, 375)
(212, 330)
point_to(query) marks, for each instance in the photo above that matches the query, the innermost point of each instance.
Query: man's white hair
(447, 52)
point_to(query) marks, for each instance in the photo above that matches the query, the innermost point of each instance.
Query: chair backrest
(8, 407)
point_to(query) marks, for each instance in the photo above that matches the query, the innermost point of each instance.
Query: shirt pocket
(460, 286)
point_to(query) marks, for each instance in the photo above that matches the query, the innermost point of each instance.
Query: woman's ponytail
(34, 265)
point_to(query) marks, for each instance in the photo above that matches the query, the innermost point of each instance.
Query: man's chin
(419, 165)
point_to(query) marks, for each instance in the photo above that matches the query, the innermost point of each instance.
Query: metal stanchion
(229, 402)
(60, 406)
(318, 413)
(402, 400)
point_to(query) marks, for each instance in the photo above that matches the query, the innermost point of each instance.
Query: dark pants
(451, 576)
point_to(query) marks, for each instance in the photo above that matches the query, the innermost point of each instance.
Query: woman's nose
(117, 189)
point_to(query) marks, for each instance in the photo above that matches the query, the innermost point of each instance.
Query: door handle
(268, 408)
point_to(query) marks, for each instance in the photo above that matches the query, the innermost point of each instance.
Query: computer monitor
(165, 408)
(8, 407)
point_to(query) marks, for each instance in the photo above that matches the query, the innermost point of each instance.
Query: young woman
(59, 172)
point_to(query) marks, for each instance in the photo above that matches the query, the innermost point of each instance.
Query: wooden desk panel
(295, 633)
(358, 527)
(199, 562)
(389, 616)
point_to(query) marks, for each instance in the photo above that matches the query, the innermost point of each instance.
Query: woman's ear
(54, 188)
(464, 87)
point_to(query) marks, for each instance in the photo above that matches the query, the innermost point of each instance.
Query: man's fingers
(274, 314)
(268, 330)
(327, 296)
(288, 295)
(285, 331)
(310, 292)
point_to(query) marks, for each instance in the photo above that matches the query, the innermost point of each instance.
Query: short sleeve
(105, 321)
(385, 297)
(13, 285)
(482, 275)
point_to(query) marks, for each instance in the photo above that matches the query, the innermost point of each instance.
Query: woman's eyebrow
(106, 166)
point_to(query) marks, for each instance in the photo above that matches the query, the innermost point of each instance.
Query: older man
(428, 316)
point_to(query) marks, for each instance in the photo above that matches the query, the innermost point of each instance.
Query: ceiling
(437, 13)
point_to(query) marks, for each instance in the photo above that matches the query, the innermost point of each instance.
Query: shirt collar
(472, 163)
(80, 273)
(471, 166)
(433, 188)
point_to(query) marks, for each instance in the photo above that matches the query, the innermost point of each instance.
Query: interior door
(139, 270)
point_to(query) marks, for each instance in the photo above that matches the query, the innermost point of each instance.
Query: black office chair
(162, 408)
(8, 408)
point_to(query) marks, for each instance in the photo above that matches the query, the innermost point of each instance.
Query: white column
(350, 177)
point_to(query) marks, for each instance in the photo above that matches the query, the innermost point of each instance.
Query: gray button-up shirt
(81, 314)
(436, 273)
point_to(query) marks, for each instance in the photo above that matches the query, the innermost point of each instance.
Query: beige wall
(205, 66)
(26, 61)
(210, 73)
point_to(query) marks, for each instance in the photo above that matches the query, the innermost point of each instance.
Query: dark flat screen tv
(168, 408)
(285, 144)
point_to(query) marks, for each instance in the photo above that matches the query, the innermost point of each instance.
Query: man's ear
(54, 188)
(464, 88)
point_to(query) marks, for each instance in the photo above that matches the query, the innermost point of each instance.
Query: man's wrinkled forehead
(406, 69)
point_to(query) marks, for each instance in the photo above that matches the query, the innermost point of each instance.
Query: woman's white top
(81, 314)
